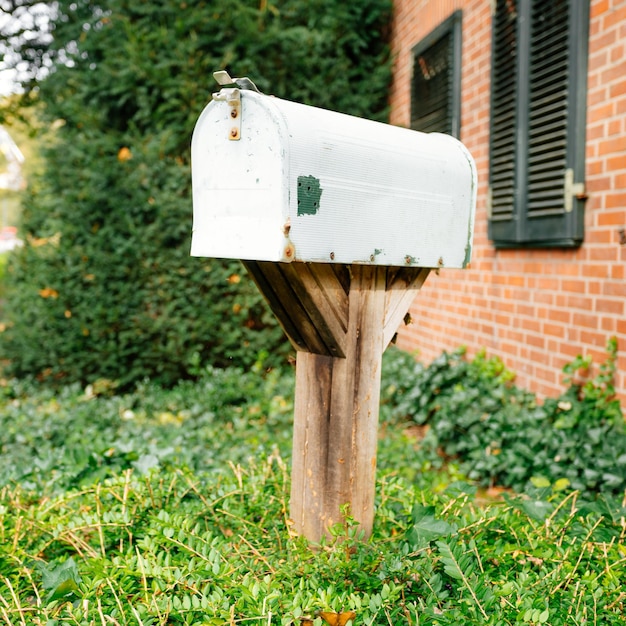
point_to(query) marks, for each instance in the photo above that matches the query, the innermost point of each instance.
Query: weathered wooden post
(339, 221)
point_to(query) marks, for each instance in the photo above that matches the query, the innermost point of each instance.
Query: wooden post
(336, 417)
(340, 319)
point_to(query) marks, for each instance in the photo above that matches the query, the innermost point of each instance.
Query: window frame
(564, 226)
(452, 26)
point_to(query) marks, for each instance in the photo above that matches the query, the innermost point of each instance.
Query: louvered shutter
(537, 125)
(435, 85)
(547, 123)
(503, 115)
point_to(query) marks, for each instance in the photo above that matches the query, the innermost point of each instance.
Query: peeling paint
(309, 194)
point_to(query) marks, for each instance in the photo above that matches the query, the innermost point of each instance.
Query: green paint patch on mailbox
(309, 194)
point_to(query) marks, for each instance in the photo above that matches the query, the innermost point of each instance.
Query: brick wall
(536, 309)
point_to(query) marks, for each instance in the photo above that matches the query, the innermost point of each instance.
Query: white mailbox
(367, 209)
(278, 181)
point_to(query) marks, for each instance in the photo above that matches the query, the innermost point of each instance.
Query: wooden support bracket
(340, 319)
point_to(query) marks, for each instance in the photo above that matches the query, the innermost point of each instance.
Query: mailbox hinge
(232, 95)
(572, 190)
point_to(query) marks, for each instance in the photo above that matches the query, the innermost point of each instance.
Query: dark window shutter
(435, 85)
(547, 123)
(503, 112)
(538, 80)
(431, 101)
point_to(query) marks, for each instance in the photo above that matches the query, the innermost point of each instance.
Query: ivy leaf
(145, 463)
(535, 509)
(426, 527)
(61, 581)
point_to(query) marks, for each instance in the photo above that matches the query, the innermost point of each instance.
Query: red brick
(616, 162)
(558, 315)
(598, 184)
(615, 17)
(596, 271)
(578, 303)
(585, 321)
(615, 72)
(609, 306)
(616, 200)
(554, 330)
(617, 54)
(598, 236)
(598, 8)
(608, 324)
(613, 218)
(578, 286)
(613, 145)
(617, 89)
(611, 288)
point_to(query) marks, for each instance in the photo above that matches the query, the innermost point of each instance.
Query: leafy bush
(501, 435)
(58, 440)
(180, 548)
(104, 287)
(171, 506)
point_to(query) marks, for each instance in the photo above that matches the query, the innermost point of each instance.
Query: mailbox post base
(340, 319)
(336, 418)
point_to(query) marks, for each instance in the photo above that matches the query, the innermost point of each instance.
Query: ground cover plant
(170, 506)
(502, 435)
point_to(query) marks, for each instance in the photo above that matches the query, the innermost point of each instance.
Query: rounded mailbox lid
(302, 183)
(240, 194)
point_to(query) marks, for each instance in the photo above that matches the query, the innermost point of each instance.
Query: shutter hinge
(494, 6)
(572, 190)
(489, 202)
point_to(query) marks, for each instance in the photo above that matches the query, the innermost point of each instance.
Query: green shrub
(176, 547)
(501, 435)
(104, 286)
(171, 506)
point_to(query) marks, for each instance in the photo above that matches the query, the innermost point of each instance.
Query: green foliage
(170, 506)
(180, 548)
(104, 287)
(3, 262)
(499, 434)
(74, 437)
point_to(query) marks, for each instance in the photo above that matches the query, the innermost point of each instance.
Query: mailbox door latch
(232, 96)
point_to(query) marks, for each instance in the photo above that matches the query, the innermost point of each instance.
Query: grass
(171, 507)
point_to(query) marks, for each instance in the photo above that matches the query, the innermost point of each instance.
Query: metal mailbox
(365, 210)
(274, 180)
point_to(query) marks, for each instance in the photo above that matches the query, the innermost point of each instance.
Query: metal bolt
(233, 113)
(234, 132)
(332, 256)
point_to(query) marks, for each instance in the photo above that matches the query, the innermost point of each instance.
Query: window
(537, 144)
(436, 82)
